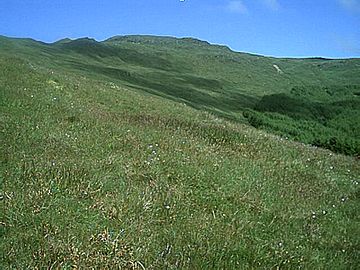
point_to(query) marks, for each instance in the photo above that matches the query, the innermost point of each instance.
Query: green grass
(108, 166)
(220, 81)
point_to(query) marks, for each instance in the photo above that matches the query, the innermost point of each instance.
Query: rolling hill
(143, 152)
(269, 92)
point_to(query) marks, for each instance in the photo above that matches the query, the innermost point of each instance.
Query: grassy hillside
(105, 163)
(238, 86)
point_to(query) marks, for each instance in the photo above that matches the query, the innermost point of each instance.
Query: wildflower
(167, 207)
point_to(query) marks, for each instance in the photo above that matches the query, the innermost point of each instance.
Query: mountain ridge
(194, 40)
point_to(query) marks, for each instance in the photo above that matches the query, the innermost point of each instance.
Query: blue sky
(295, 28)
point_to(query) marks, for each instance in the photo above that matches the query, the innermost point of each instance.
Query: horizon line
(320, 57)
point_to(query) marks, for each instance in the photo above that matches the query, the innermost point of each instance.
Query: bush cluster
(331, 125)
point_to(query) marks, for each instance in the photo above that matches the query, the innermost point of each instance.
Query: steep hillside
(218, 80)
(106, 161)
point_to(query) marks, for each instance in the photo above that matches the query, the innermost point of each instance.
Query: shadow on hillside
(198, 92)
(98, 51)
(304, 109)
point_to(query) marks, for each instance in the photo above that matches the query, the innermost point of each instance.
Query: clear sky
(329, 28)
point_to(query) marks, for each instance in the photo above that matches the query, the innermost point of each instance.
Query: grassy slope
(204, 76)
(96, 173)
(218, 80)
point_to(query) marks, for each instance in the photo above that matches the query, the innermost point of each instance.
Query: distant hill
(218, 80)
